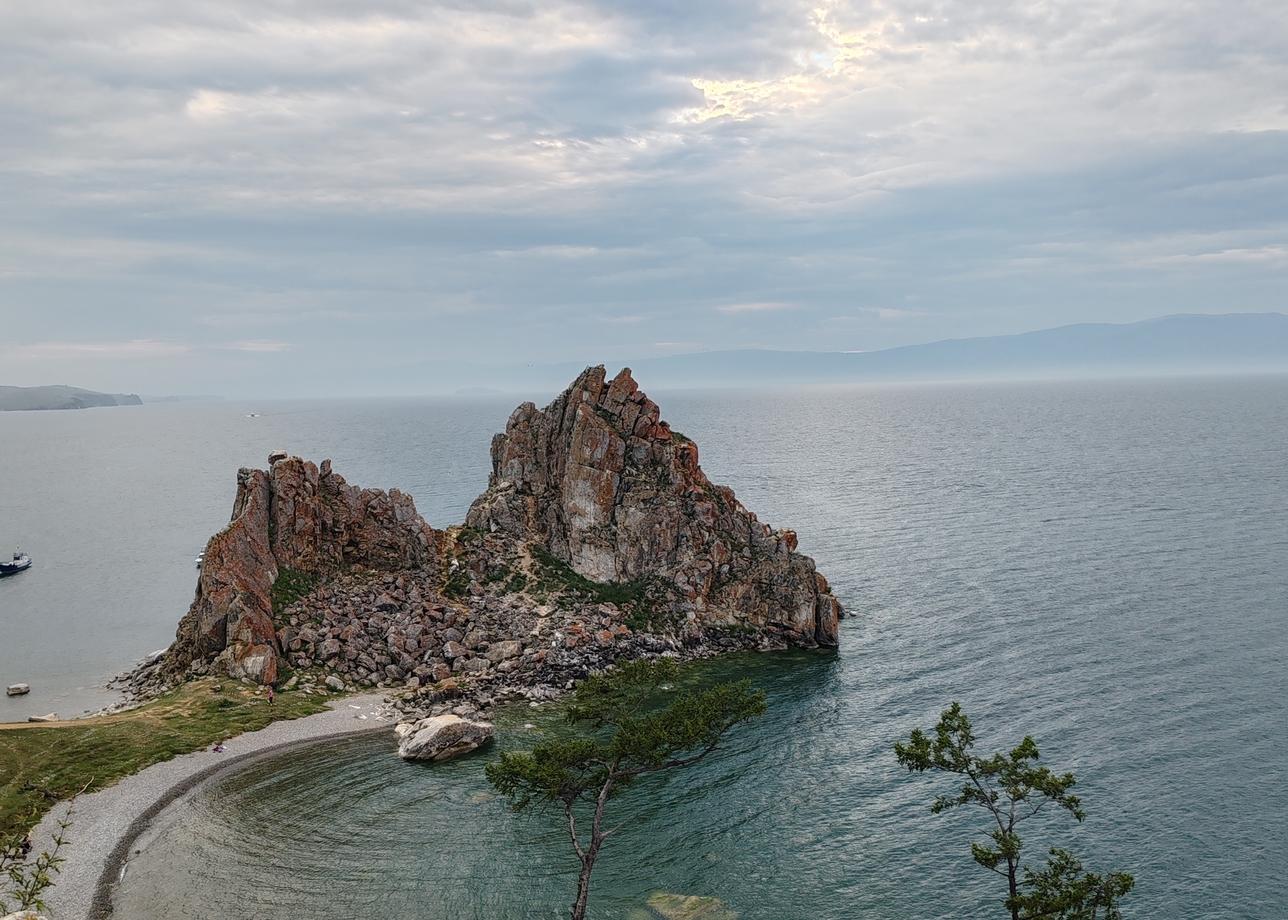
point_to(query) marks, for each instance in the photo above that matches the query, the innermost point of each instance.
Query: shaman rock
(293, 516)
(600, 481)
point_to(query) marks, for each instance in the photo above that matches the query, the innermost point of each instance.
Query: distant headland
(61, 397)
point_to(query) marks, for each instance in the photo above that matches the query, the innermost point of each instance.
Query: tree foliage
(1013, 787)
(620, 732)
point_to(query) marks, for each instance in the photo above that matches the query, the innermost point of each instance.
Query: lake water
(1103, 565)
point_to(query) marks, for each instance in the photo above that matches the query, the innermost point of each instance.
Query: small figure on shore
(271, 696)
(218, 748)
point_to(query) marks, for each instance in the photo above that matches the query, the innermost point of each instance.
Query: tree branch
(572, 830)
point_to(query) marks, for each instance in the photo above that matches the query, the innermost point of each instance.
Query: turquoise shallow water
(1103, 565)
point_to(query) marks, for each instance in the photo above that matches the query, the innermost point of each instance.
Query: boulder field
(598, 539)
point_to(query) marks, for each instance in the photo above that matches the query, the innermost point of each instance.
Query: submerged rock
(441, 737)
(689, 907)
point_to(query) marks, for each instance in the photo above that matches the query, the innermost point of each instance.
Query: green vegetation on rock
(457, 582)
(644, 600)
(290, 586)
(556, 576)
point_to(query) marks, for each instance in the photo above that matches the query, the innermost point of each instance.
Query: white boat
(21, 562)
(200, 558)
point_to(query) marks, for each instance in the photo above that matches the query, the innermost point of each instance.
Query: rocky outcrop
(441, 737)
(599, 539)
(293, 519)
(601, 482)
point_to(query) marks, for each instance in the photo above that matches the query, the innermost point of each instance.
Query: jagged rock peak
(294, 516)
(602, 482)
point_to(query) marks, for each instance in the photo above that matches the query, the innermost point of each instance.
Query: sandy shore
(107, 823)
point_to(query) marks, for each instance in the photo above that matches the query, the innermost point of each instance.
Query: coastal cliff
(599, 480)
(299, 520)
(598, 539)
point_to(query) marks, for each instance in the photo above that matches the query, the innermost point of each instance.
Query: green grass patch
(644, 601)
(41, 765)
(458, 582)
(290, 586)
(557, 576)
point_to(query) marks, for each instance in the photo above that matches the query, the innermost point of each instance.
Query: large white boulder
(671, 906)
(441, 737)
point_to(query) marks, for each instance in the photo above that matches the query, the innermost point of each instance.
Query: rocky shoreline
(598, 540)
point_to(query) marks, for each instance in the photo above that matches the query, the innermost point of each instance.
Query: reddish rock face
(603, 483)
(294, 516)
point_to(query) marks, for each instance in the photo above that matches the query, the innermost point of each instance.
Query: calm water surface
(1104, 565)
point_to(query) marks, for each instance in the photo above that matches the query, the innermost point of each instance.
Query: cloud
(134, 350)
(1270, 256)
(765, 306)
(260, 347)
(678, 346)
(504, 182)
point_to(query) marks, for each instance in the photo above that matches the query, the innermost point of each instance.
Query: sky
(287, 198)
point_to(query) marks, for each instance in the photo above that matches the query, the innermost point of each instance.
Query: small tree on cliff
(620, 735)
(1012, 788)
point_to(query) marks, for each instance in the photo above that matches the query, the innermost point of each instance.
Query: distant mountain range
(1181, 344)
(61, 397)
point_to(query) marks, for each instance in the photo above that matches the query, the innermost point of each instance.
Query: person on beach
(271, 696)
(218, 748)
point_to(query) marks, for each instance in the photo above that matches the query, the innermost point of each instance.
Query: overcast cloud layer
(326, 197)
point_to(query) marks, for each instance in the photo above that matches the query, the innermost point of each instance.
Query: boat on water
(201, 557)
(21, 562)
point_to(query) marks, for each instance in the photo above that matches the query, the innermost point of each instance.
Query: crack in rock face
(596, 487)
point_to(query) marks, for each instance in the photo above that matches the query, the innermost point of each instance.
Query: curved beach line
(107, 823)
